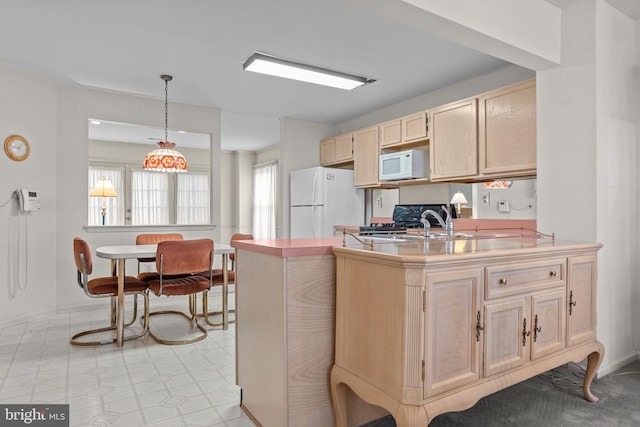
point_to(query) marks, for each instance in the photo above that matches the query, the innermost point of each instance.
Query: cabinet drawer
(511, 279)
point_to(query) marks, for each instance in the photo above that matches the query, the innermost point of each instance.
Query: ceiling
(124, 46)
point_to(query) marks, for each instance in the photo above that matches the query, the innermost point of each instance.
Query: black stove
(406, 217)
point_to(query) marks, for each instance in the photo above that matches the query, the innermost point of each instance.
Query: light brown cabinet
(454, 140)
(390, 133)
(456, 329)
(581, 297)
(366, 153)
(507, 141)
(336, 150)
(490, 136)
(452, 358)
(405, 132)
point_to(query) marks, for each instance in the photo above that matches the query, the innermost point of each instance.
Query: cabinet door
(366, 152)
(454, 140)
(344, 147)
(504, 346)
(414, 127)
(581, 299)
(508, 130)
(390, 133)
(547, 323)
(452, 349)
(328, 151)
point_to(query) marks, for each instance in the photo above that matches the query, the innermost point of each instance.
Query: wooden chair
(152, 239)
(177, 263)
(102, 287)
(217, 280)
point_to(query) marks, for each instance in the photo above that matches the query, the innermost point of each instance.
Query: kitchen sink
(399, 238)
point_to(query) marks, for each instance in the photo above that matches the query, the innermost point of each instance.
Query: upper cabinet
(454, 140)
(507, 140)
(336, 150)
(366, 153)
(400, 133)
(485, 137)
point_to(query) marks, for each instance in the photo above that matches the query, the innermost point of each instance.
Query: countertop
(459, 249)
(418, 250)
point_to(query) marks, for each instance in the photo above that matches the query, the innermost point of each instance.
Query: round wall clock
(17, 147)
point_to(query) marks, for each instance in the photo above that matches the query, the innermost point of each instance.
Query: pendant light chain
(167, 78)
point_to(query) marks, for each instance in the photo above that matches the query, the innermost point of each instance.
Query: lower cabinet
(421, 340)
(452, 348)
(519, 330)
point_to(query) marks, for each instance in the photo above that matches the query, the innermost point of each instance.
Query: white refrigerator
(321, 198)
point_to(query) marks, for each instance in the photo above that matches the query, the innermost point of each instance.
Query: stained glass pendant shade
(165, 158)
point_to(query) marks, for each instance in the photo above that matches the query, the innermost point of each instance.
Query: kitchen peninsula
(417, 328)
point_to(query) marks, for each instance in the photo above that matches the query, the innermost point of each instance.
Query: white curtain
(265, 181)
(149, 198)
(114, 205)
(193, 198)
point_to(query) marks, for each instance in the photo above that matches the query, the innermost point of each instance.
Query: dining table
(118, 254)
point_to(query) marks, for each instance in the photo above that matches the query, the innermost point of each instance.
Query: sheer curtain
(149, 198)
(264, 200)
(193, 198)
(114, 205)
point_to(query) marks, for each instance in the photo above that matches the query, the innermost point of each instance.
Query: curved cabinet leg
(339, 397)
(593, 363)
(410, 416)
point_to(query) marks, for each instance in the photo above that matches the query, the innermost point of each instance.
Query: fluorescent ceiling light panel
(274, 66)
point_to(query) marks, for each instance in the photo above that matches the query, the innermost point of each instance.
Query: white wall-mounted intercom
(28, 199)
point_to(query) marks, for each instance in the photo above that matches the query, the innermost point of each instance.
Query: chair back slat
(184, 256)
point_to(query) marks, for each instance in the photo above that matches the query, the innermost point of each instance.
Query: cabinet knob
(553, 273)
(503, 282)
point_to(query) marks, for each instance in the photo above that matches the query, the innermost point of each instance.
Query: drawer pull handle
(553, 273)
(503, 282)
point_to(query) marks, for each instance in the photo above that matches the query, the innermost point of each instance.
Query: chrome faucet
(446, 225)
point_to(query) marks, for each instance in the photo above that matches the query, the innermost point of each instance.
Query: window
(264, 200)
(193, 198)
(150, 198)
(113, 206)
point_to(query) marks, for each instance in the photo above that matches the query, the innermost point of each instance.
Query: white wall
(299, 149)
(521, 197)
(74, 107)
(28, 241)
(616, 183)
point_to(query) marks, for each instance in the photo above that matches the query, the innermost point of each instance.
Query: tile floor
(142, 383)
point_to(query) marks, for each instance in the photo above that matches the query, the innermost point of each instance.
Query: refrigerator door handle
(314, 190)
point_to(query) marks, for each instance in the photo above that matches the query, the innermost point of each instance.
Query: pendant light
(165, 158)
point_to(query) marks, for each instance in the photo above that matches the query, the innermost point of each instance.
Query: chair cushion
(148, 276)
(109, 285)
(180, 286)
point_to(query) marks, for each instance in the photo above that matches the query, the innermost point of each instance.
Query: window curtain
(149, 198)
(114, 205)
(265, 181)
(193, 198)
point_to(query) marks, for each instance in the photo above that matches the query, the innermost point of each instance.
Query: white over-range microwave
(409, 164)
